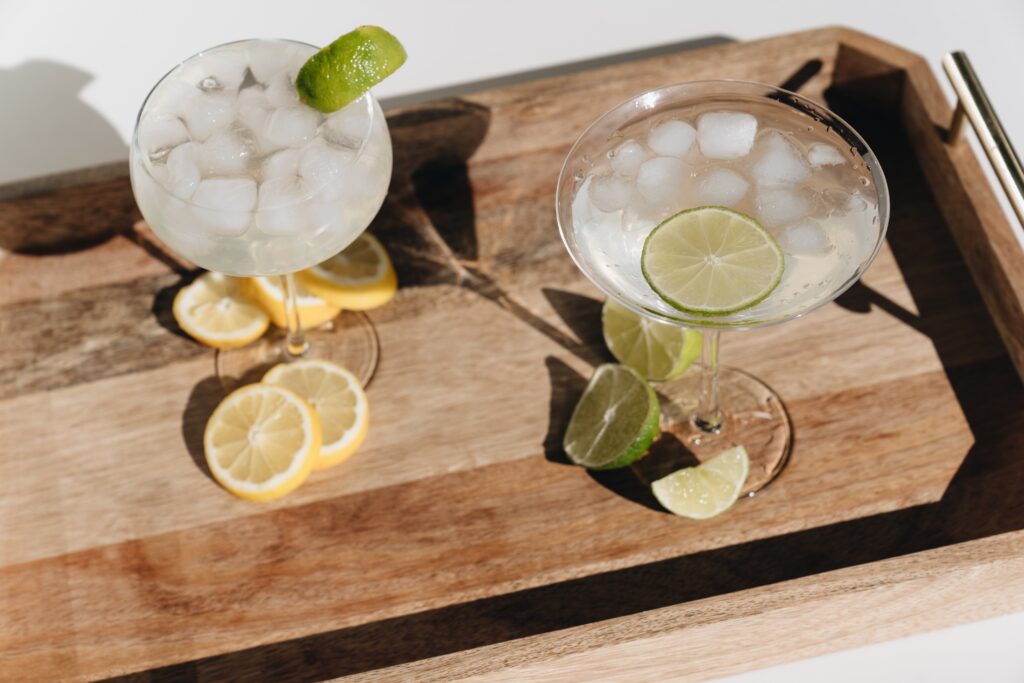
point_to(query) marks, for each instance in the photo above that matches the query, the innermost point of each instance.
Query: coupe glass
(237, 175)
(712, 408)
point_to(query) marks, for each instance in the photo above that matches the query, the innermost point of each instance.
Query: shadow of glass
(582, 315)
(567, 386)
(202, 400)
(428, 219)
(47, 125)
(444, 192)
(163, 304)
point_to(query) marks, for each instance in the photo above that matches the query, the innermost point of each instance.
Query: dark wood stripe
(91, 334)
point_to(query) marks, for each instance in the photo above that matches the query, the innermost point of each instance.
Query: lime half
(711, 261)
(615, 421)
(658, 351)
(706, 490)
(341, 72)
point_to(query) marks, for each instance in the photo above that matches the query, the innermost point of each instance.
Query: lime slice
(706, 490)
(657, 350)
(615, 421)
(341, 72)
(711, 261)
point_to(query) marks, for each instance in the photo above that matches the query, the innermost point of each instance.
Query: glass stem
(295, 343)
(708, 417)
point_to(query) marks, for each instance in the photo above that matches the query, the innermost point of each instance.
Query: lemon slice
(262, 442)
(341, 72)
(615, 421)
(706, 490)
(711, 261)
(215, 311)
(335, 394)
(358, 278)
(267, 292)
(657, 350)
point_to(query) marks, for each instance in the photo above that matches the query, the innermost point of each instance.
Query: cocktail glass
(233, 172)
(785, 160)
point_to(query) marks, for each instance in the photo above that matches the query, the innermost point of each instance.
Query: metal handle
(973, 104)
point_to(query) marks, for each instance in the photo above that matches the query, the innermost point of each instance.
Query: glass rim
(849, 133)
(135, 150)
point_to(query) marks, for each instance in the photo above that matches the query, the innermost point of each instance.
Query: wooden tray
(455, 544)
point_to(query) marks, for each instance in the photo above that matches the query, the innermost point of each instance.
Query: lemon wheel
(262, 441)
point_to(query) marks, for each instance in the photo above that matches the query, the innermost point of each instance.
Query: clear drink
(805, 183)
(798, 169)
(233, 172)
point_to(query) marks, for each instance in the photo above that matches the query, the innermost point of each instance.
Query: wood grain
(457, 543)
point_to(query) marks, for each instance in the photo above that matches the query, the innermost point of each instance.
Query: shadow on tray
(984, 498)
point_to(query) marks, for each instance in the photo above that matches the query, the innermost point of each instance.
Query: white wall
(109, 53)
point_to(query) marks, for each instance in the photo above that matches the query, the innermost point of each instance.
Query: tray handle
(973, 105)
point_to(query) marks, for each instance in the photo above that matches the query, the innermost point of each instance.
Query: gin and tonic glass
(233, 172)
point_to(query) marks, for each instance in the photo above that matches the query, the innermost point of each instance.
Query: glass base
(349, 340)
(753, 416)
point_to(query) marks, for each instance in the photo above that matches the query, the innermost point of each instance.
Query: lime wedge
(615, 421)
(706, 490)
(657, 350)
(341, 72)
(711, 261)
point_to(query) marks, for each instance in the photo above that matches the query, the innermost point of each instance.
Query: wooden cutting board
(457, 543)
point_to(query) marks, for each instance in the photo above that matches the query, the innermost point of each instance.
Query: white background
(73, 74)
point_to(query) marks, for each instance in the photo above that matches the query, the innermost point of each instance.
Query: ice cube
(158, 134)
(778, 161)
(349, 126)
(855, 228)
(281, 93)
(185, 234)
(323, 216)
(183, 170)
(725, 134)
(671, 138)
(627, 157)
(270, 62)
(822, 154)
(224, 205)
(325, 169)
(661, 178)
(252, 109)
(206, 113)
(269, 255)
(358, 186)
(220, 69)
(227, 152)
(281, 209)
(806, 238)
(721, 187)
(289, 127)
(609, 193)
(170, 97)
(284, 163)
(857, 203)
(779, 205)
